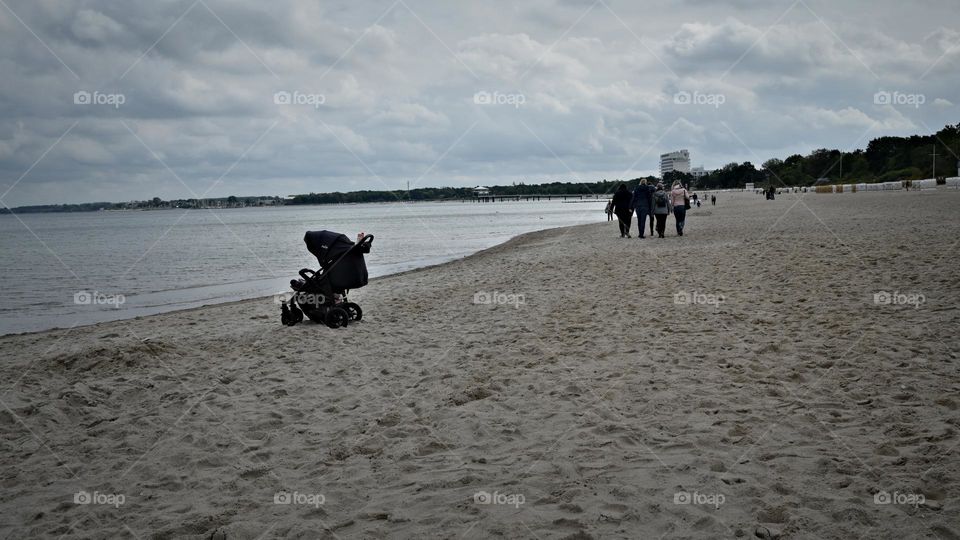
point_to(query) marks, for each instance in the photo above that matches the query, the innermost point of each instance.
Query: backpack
(660, 199)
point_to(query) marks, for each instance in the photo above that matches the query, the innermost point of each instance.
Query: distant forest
(885, 159)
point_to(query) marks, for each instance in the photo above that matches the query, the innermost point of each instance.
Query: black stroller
(322, 295)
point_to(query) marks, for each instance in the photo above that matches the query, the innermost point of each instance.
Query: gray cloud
(389, 91)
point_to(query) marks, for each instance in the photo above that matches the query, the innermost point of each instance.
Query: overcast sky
(183, 95)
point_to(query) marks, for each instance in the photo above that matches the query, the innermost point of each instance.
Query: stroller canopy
(328, 247)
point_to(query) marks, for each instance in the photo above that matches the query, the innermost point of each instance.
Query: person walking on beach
(642, 203)
(679, 200)
(609, 210)
(621, 207)
(661, 208)
(713, 200)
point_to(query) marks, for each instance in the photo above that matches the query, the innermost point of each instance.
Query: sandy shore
(781, 401)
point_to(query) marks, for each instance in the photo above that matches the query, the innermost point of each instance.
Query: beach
(786, 369)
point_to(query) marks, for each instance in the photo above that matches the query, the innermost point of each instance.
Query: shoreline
(938, 189)
(262, 298)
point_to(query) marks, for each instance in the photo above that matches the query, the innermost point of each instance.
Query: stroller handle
(368, 240)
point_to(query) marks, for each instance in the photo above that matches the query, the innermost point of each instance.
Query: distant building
(481, 191)
(675, 161)
(698, 172)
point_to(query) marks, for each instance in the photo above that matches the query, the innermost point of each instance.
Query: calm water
(174, 259)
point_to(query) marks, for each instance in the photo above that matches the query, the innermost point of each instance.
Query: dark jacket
(621, 202)
(643, 198)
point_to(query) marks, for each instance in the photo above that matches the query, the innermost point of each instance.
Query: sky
(116, 101)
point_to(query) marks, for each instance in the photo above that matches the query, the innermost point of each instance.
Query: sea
(61, 270)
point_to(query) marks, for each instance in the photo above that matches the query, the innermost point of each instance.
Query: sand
(782, 401)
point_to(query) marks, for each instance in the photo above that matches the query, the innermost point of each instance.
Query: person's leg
(641, 222)
(661, 224)
(652, 219)
(679, 213)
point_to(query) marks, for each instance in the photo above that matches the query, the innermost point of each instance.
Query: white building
(698, 172)
(675, 161)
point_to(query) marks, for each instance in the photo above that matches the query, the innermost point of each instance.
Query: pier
(538, 197)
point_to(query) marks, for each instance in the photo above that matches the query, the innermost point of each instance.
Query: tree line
(884, 159)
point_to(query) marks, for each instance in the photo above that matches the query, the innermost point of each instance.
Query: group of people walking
(649, 202)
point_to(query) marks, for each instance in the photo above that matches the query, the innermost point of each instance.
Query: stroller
(322, 295)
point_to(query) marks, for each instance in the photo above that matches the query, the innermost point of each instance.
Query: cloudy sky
(104, 100)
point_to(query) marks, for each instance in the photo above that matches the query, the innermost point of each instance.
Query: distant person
(661, 208)
(679, 200)
(621, 207)
(642, 204)
(609, 210)
(713, 200)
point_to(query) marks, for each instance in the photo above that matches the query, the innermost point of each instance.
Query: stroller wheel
(354, 310)
(337, 317)
(296, 315)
